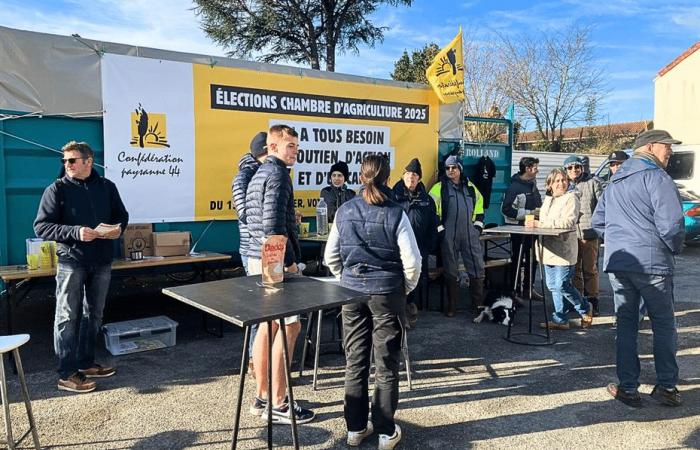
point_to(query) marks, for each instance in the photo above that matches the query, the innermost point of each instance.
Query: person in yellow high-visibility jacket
(460, 207)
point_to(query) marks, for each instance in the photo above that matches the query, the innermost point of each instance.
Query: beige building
(677, 97)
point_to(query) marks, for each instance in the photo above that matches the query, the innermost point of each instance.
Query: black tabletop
(244, 301)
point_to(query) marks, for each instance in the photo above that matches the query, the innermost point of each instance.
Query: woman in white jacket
(561, 210)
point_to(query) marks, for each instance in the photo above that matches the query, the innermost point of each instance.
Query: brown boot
(452, 295)
(476, 293)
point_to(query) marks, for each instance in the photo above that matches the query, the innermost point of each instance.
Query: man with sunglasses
(590, 190)
(70, 210)
(460, 208)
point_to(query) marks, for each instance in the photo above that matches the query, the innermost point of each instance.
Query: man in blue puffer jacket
(270, 211)
(641, 219)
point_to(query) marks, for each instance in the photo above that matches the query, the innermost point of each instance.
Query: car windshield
(680, 165)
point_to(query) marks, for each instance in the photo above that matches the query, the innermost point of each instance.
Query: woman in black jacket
(337, 193)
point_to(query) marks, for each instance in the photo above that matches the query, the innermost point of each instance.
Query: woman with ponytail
(372, 249)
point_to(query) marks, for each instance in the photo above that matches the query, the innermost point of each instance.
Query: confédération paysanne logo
(449, 64)
(148, 129)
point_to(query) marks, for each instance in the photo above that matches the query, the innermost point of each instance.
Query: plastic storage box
(139, 335)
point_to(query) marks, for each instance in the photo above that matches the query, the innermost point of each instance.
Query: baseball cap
(572, 160)
(258, 146)
(654, 136)
(618, 155)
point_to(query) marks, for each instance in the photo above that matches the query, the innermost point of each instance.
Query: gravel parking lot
(471, 388)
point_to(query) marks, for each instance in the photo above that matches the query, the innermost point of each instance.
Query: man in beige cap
(641, 219)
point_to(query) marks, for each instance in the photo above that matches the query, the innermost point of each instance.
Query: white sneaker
(387, 442)
(355, 438)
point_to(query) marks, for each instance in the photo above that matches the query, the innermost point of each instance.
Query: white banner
(323, 144)
(149, 144)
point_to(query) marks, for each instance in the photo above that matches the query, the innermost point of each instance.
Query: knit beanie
(573, 159)
(414, 166)
(454, 161)
(342, 167)
(258, 146)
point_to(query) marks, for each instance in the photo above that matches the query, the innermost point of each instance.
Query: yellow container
(33, 261)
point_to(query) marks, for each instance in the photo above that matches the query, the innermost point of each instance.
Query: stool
(317, 345)
(12, 344)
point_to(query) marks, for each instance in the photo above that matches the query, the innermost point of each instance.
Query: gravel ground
(471, 389)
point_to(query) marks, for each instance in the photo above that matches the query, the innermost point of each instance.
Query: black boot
(452, 295)
(594, 302)
(476, 293)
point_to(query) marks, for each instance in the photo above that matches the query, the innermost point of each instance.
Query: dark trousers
(366, 326)
(525, 264)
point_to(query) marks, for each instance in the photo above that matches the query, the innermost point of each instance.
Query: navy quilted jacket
(269, 209)
(247, 166)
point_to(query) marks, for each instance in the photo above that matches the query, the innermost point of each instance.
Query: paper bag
(273, 259)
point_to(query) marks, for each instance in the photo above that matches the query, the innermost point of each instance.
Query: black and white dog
(499, 308)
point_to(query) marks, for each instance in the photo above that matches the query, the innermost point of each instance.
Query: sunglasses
(616, 163)
(70, 160)
(574, 167)
(451, 168)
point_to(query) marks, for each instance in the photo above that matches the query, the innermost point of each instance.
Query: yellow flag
(446, 73)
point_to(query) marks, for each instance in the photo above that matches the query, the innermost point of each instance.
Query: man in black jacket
(270, 211)
(410, 193)
(522, 197)
(70, 212)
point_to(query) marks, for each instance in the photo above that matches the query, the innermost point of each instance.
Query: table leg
(241, 383)
(530, 282)
(290, 394)
(269, 385)
(305, 348)
(515, 283)
(317, 350)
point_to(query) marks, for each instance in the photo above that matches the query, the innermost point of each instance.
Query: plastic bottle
(322, 218)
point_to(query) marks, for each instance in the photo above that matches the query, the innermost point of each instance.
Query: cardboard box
(171, 243)
(137, 237)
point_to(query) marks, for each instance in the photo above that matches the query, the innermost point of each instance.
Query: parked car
(681, 167)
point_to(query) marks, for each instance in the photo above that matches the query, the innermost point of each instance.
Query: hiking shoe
(282, 414)
(76, 383)
(387, 442)
(97, 371)
(668, 397)
(628, 398)
(258, 406)
(594, 302)
(555, 326)
(355, 438)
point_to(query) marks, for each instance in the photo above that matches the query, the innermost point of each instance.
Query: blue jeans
(657, 291)
(81, 291)
(559, 284)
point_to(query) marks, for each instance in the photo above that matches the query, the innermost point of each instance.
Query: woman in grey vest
(372, 249)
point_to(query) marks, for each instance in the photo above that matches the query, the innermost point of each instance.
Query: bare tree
(554, 78)
(483, 96)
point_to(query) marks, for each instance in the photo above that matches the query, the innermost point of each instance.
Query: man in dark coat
(70, 211)
(420, 208)
(247, 166)
(337, 193)
(522, 197)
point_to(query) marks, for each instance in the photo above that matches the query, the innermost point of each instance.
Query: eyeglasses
(574, 167)
(451, 168)
(70, 160)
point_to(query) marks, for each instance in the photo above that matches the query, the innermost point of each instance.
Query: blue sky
(633, 39)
